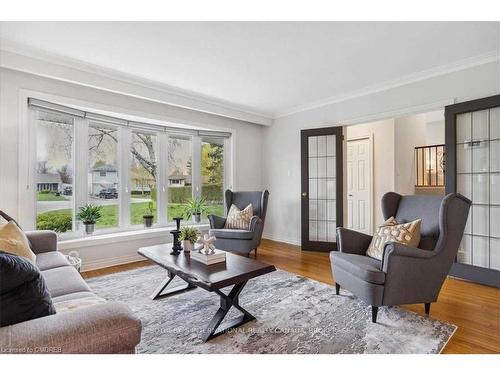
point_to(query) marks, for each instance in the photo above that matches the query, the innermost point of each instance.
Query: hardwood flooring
(474, 308)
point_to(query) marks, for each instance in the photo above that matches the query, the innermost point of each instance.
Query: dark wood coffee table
(237, 270)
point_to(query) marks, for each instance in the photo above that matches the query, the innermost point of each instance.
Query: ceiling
(270, 68)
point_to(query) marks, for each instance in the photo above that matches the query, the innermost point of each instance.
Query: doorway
(322, 187)
(359, 184)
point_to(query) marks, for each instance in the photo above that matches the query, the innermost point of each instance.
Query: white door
(359, 182)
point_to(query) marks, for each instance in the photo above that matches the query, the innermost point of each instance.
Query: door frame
(339, 195)
(470, 272)
(372, 156)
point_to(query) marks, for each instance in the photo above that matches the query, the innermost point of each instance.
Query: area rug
(294, 315)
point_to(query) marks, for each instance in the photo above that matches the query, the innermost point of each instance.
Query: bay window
(128, 168)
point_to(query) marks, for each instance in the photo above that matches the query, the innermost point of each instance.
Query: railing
(430, 166)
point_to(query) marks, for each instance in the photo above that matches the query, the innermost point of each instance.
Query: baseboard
(109, 262)
(268, 236)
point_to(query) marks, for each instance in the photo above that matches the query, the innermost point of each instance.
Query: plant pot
(89, 228)
(187, 245)
(196, 218)
(148, 220)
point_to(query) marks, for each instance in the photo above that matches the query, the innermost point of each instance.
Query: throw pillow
(391, 231)
(14, 241)
(23, 291)
(239, 219)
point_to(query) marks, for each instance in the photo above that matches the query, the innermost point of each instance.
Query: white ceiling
(270, 68)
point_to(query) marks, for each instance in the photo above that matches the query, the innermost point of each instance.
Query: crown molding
(391, 84)
(18, 57)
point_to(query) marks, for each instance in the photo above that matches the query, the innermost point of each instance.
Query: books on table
(219, 256)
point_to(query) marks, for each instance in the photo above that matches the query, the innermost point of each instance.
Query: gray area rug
(294, 315)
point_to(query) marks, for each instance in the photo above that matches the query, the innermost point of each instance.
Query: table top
(236, 269)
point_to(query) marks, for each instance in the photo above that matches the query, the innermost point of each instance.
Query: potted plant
(194, 208)
(148, 217)
(89, 215)
(188, 236)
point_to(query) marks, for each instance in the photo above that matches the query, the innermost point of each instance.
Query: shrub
(45, 191)
(56, 221)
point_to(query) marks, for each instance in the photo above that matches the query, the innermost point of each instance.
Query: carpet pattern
(294, 315)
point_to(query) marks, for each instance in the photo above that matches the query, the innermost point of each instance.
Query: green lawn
(45, 197)
(109, 217)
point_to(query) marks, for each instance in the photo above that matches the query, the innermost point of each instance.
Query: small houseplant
(194, 208)
(89, 215)
(148, 216)
(188, 236)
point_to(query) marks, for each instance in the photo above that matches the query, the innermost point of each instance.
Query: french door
(321, 198)
(473, 169)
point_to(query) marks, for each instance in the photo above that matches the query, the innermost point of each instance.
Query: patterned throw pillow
(237, 219)
(391, 231)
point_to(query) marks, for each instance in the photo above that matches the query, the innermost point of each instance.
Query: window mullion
(162, 189)
(124, 143)
(80, 164)
(196, 167)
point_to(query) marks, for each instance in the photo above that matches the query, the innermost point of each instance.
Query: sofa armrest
(42, 241)
(352, 242)
(394, 249)
(216, 222)
(105, 328)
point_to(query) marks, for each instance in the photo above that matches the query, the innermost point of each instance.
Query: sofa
(105, 327)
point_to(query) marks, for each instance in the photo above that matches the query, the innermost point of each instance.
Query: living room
(265, 187)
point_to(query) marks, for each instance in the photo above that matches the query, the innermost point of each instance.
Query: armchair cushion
(361, 266)
(216, 222)
(235, 234)
(239, 219)
(390, 230)
(352, 242)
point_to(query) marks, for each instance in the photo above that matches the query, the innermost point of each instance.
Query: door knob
(304, 194)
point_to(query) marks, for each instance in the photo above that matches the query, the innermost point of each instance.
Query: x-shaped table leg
(162, 291)
(215, 328)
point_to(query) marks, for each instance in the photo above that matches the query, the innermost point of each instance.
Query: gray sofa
(108, 327)
(241, 241)
(406, 274)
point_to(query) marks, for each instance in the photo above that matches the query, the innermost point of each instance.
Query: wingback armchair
(241, 241)
(406, 274)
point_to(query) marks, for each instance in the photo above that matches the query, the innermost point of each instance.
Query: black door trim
(304, 151)
(477, 274)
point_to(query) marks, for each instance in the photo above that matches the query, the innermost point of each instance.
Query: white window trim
(27, 171)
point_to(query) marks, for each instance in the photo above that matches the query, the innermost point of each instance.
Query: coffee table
(236, 271)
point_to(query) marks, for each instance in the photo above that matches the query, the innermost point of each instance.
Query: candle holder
(177, 248)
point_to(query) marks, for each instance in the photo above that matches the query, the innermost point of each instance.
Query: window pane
(212, 175)
(179, 174)
(143, 174)
(103, 173)
(54, 174)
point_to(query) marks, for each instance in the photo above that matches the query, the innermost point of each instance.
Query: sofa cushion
(51, 259)
(235, 234)
(64, 280)
(78, 303)
(361, 266)
(14, 241)
(23, 292)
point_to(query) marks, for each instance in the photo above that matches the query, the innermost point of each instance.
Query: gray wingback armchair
(406, 274)
(239, 240)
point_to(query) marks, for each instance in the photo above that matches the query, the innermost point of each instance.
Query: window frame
(28, 211)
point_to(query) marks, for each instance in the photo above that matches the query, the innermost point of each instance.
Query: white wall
(409, 132)
(281, 171)
(247, 140)
(383, 155)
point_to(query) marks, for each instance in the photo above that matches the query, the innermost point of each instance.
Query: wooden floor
(474, 308)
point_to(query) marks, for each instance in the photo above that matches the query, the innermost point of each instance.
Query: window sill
(125, 236)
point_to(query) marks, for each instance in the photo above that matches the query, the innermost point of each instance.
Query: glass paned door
(321, 187)
(473, 134)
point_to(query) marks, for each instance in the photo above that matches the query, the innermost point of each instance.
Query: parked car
(68, 190)
(108, 193)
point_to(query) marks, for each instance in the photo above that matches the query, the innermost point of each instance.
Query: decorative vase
(196, 218)
(187, 245)
(89, 228)
(148, 220)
